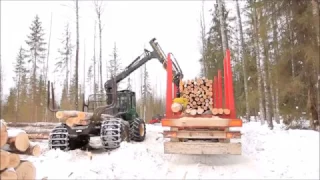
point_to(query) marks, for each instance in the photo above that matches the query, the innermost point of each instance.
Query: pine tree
(37, 56)
(10, 107)
(20, 73)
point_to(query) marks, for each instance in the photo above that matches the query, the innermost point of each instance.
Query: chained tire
(59, 138)
(138, 130)
(110, 132)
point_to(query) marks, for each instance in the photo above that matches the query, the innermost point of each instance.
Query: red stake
(226, 84)
(219, 89)
(230, 86)
(215, 91)
(169, 87)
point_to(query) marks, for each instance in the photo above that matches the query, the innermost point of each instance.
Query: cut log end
(14, 160)
(3, 137)
(34, 150)
(214, 111)
(21, 142)
(193, 112)
(226, 111)
(9, 174)
(26, 171)
(4, 160)
(220, 111)
(176, 107)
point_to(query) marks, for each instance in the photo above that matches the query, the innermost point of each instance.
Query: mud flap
(202, 148)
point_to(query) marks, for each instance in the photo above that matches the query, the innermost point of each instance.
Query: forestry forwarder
(115, 120)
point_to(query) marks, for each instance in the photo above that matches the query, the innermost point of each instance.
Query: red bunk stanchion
(230, 86)
(215, 91)
(226, 84)
(219, 89)
(169, 87)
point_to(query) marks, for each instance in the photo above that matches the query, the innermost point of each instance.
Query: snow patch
(277, 154)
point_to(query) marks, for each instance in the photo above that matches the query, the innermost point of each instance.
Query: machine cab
(126, 100)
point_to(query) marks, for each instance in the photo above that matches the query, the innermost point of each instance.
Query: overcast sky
(131, 24)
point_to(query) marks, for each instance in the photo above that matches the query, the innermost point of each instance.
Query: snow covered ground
(267, 154)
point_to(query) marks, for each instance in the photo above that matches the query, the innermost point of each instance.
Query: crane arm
(137, 63)
(157, 53)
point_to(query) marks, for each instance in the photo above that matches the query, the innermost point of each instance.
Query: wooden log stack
(73, 118)
(13, 143)
(199, 94)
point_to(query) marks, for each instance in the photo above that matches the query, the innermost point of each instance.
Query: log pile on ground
(13, 143)
(199, 93)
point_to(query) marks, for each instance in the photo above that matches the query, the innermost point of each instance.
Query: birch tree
(99, 11)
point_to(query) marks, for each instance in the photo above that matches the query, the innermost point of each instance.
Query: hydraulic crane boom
(157, 53)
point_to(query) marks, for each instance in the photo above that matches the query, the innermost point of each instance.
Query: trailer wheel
(138, 130)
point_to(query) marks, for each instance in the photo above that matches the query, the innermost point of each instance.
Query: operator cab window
(122, 102)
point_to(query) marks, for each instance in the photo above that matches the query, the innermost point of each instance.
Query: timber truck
(112, 115)
(205, 133)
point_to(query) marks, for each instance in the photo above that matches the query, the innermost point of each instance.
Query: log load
(199, 94)
(15, 144)
(73, 118)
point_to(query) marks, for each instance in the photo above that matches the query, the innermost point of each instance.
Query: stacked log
(199, 94)
(73, 118)
(15, 142)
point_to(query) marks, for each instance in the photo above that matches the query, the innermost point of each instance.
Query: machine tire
(110, 133)
(138, 130)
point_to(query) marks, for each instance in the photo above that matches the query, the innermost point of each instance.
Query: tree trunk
(84, 68)
(256, 47)
(315, 12)
(145, 91)
(100, 53)
(47, 68)
(77, 57)
(264, 74)
(94, 66)
(203, 40)
(276, 61)
(18, 97)
(244, 65)
(222, 27)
